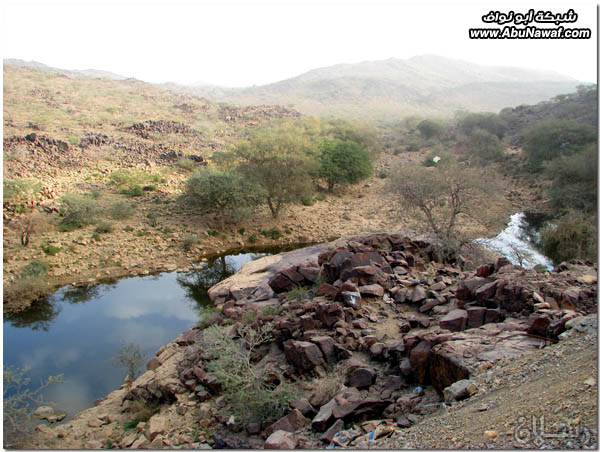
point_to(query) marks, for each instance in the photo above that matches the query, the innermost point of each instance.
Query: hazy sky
(241, 43)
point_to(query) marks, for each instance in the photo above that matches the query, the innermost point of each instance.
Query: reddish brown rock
(475, 316)
(419, 361)
(302, 355)
(326, 345)
(362, 377)
(455, 320)
(295, 420)
(281, 440)
(372, 290)
(324, 417)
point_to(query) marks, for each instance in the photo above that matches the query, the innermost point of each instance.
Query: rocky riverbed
(408, 336)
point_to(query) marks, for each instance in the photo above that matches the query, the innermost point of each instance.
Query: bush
(77, 211)
(50, 250)
(221, 191)
(484, 147)
(34, 269)
(74, 140)
(250, 398)
(490, 122)
(572, 236)
(299, 293)
(20, 190)
(186, 164)
(343, 162)
(190, 240)
(574, 180)
(253, 238)
(430, 128)
(132, 192)
(106, 227)
(555, 138)
(121, 210)
(273, 233)
(128, 178)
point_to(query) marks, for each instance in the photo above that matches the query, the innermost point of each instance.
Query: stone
(156, 426)
(304, 406)
(370, 408)
(289, 423)
(490, 434)
(467, 287)
(376, 350)
(475, 316)
(326, 345)
(493, 316)
(362, 377)
(371, 290)
(94, 444)
(281, 440)
(418, 294)
(459, 390)
(455, 320)
(153, 364)
(419, 361)
(539, 325)
(305, 356)
(338, 426)
(486, 291)
(43, 411)
(327, 290)
(351, 299)
(324, 417)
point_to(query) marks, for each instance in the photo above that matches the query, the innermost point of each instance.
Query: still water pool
(76, 332)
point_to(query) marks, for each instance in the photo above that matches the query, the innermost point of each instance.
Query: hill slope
(427, 85)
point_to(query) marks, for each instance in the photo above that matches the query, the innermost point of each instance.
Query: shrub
(250, 398)
(484, 147)
(271, 310)
(105, 227)
(74, 140)
(574, 180)
(50, 250)
(572, 236)
(34, 269)
(298, 293)
(121, 209)
(430, 128)
(190, 240)
(20, 190)
(273, 233)
(490, 122)
(556, 137)
(221, 191)
(78, 211)
(186, 164)
(343, 162)
(28, 225)
(132, 192)
(253, 238)
(129, 178)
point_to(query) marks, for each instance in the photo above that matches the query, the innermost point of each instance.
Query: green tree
(130, 358)
(222, 191)
(484, 147)
(556, 137)
(343, 162)
(429, 128)
(281, 163)
(574, 180)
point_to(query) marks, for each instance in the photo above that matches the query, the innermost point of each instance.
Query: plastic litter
(418, 390)
(364, 437)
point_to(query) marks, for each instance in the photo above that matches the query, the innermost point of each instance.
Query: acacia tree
(445, 195)
(280, 162)
(222, 191)
(343, 162)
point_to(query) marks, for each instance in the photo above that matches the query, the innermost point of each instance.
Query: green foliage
(273, 233)
(280, 162)
(222, 191)
(484, 147)
(355, 131)
(253, 238)
(249, 397)
(105, 227)
(20, 190)
(430, 128)
(572, 236)
(34, 269)
(299, 293)
(78, 211)
(490, 122)
(130, 358)
(271, 310)
(50, 250)
(121, 210)
(124, 178)
(186, 164)
(554, 138)
(133, 192)
(574, 180)
(74, 140)
(20, 401)
(343, 162)
(189, 241)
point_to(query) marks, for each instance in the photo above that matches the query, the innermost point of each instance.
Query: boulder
(459, 390)
(324, 417)
(362, 377)
(304, 356)
(338, 426)
(418, 294)
(351, 299)
(304, 406)
(475, 316)
(281, 440)
(455, 320)
(326, 345)
(371, 290)
(295, 420)
(419, 361)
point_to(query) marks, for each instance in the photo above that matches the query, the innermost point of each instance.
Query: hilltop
(422, 85)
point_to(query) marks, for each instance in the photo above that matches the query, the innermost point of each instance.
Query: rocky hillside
(424, 85)
(376, 336)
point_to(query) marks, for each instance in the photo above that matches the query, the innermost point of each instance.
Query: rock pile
(253, 115)
(144, 129)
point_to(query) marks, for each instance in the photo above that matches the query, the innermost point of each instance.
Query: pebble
(489, 434)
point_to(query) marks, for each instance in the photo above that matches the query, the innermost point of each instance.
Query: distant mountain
(85, 73)
(425, 85)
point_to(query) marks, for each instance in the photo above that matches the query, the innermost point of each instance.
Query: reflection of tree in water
(39, 316)
(196, 283)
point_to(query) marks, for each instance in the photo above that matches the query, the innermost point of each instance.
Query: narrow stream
(77, 331)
